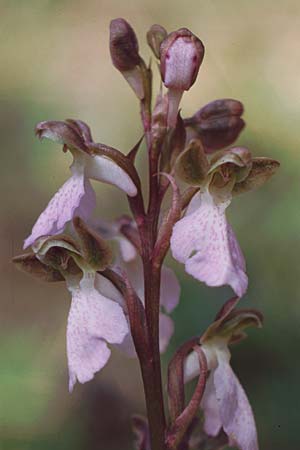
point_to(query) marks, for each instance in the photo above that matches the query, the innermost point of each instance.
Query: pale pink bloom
(94, 320)
(224, 402)
(76, 197)
(204, 241)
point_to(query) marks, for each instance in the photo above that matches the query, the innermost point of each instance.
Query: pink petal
(71, 197)
(104, 169)
(191, 366)
(87, 203)
(134, 269)
(234, 408)
(210, 406)
(166, 330)
(205, 242)
(127, 249)
(93, 319)
(169, 289)
(107, 289)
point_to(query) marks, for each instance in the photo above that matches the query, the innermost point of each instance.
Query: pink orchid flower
(203, 239)
(76, 197)
(96, 316)
(94, 321)
(225, 403)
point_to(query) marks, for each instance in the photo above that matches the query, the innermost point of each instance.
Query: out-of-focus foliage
(54, 64)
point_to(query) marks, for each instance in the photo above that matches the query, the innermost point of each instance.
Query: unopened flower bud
(125, 56)
(123, 45)
(155, 37)
(181, 55)
(218, 124)
(219, 108)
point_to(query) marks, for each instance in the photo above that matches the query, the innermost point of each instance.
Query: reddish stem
(150, 363)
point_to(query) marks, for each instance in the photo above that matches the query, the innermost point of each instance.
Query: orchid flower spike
(96, 316)
(224, 403)
(203, 239)
(91, 161)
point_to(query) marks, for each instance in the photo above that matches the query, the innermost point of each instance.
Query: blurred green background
(55, 64)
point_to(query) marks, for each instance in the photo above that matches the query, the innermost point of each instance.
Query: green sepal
(60, 252)
(95, 251)
(238, 156)
(227, 168)
(261, 171)
(230, 323)
(192, 165)
(30, 264)
(155, 37)
(62, 132)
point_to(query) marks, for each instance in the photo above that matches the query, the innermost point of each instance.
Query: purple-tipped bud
(181, 55)
(155, 37)
(125, 56)
(218, 124)
(123, 45)
(219, 108)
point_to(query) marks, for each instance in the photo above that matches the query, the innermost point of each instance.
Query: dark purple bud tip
(181, 55)
(219, 108)
(218, 124)
(123, 45)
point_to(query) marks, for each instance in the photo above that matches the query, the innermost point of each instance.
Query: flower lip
(204, 241)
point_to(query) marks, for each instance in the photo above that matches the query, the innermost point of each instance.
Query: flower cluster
(122, 293)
